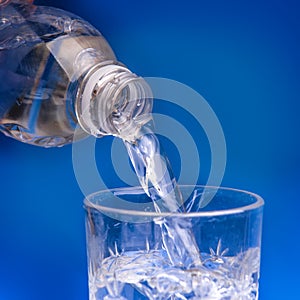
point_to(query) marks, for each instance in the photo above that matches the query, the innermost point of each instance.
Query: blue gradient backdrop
(244, 58)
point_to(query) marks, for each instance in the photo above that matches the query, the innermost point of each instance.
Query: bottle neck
(113, 101)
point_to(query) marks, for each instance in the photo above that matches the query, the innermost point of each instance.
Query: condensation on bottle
(58, 71)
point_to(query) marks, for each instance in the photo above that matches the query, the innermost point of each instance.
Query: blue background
(244, 58)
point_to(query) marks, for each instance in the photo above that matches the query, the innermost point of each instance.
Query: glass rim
(259, 202)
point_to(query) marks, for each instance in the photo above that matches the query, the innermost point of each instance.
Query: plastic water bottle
(57, 71)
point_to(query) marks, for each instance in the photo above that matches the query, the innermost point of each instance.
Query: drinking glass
(209, 249)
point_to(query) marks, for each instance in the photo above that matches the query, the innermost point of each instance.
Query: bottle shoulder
(25, 24)
(43, 33)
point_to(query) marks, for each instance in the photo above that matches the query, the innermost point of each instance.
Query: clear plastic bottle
(56, 70)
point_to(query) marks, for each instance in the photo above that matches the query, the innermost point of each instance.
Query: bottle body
(44, 55)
